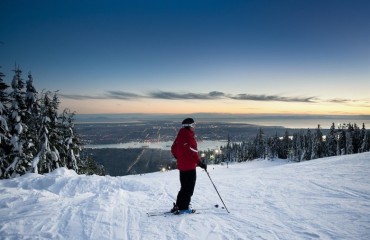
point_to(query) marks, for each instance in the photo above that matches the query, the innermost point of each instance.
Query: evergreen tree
(331, 142)
(285, 147)
(32, 118)
(260, 144)
(365, 140)
(250, 151)
(303, 153)
(31, 96)
(228, 149)
(40, 162)
(33, 137)
(317, 144)
(349, 139)
(4, 130)
(268, 148)
(294, 149)
(242, 155)
(341, 144)
(89, 166)
(18, 157)
(298, 146)
(356, 138)
(274, 146)
(72, 143)
(303, 156)
(48, 156)
(308, 145)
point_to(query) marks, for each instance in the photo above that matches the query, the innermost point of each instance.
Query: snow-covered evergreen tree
(71, 142)
(33, 137)
(31, 95)
(4, 130)
(32, 119)
(18, 158)
(48, 157)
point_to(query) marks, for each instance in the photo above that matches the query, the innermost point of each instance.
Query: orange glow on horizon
(104, 106)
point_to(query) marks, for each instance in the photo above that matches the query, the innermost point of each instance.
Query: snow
(326, 198)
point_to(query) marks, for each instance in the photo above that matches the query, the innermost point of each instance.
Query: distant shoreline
(283, 120)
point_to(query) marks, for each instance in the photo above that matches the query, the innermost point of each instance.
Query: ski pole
(217, 191)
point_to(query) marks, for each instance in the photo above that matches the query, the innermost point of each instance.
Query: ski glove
(203, 165)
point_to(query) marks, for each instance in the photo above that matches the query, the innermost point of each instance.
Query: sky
(151, 56)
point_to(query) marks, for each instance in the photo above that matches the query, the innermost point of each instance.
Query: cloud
(272, 98)
(186, 96)
(220, 95)
(351, 102)
(213, 95)
(108, 95)
(340, 100)
(80, 96)
(122, 95)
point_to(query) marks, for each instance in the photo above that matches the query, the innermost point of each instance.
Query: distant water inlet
(202, 145)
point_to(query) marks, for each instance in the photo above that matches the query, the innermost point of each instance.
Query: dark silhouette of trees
(299, 146)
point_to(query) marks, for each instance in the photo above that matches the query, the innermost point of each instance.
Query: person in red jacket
(185, 150)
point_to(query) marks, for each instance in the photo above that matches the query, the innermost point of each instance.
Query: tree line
(302, 145)
(34, 137)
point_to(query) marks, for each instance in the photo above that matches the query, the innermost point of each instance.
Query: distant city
(164, 131)
(103, 133)
(106, 142)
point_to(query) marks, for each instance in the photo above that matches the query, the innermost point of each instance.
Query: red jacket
(185, 150)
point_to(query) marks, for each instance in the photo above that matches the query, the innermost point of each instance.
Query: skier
(185, 150)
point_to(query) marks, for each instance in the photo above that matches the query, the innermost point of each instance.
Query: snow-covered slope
(321, 199)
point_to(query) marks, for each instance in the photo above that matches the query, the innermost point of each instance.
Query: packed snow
(327, 198)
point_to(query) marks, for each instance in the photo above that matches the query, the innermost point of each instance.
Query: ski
(152, 214)
(167, 213)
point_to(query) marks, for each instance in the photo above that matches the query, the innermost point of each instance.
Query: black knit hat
(188, 122)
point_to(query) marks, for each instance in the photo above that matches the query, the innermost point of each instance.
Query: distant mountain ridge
(284, 120)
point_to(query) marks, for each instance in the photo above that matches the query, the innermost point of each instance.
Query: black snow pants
(187, 180)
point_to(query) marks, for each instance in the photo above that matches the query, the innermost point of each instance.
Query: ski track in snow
(320, 199)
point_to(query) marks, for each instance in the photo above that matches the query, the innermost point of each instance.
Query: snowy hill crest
(321, 199)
